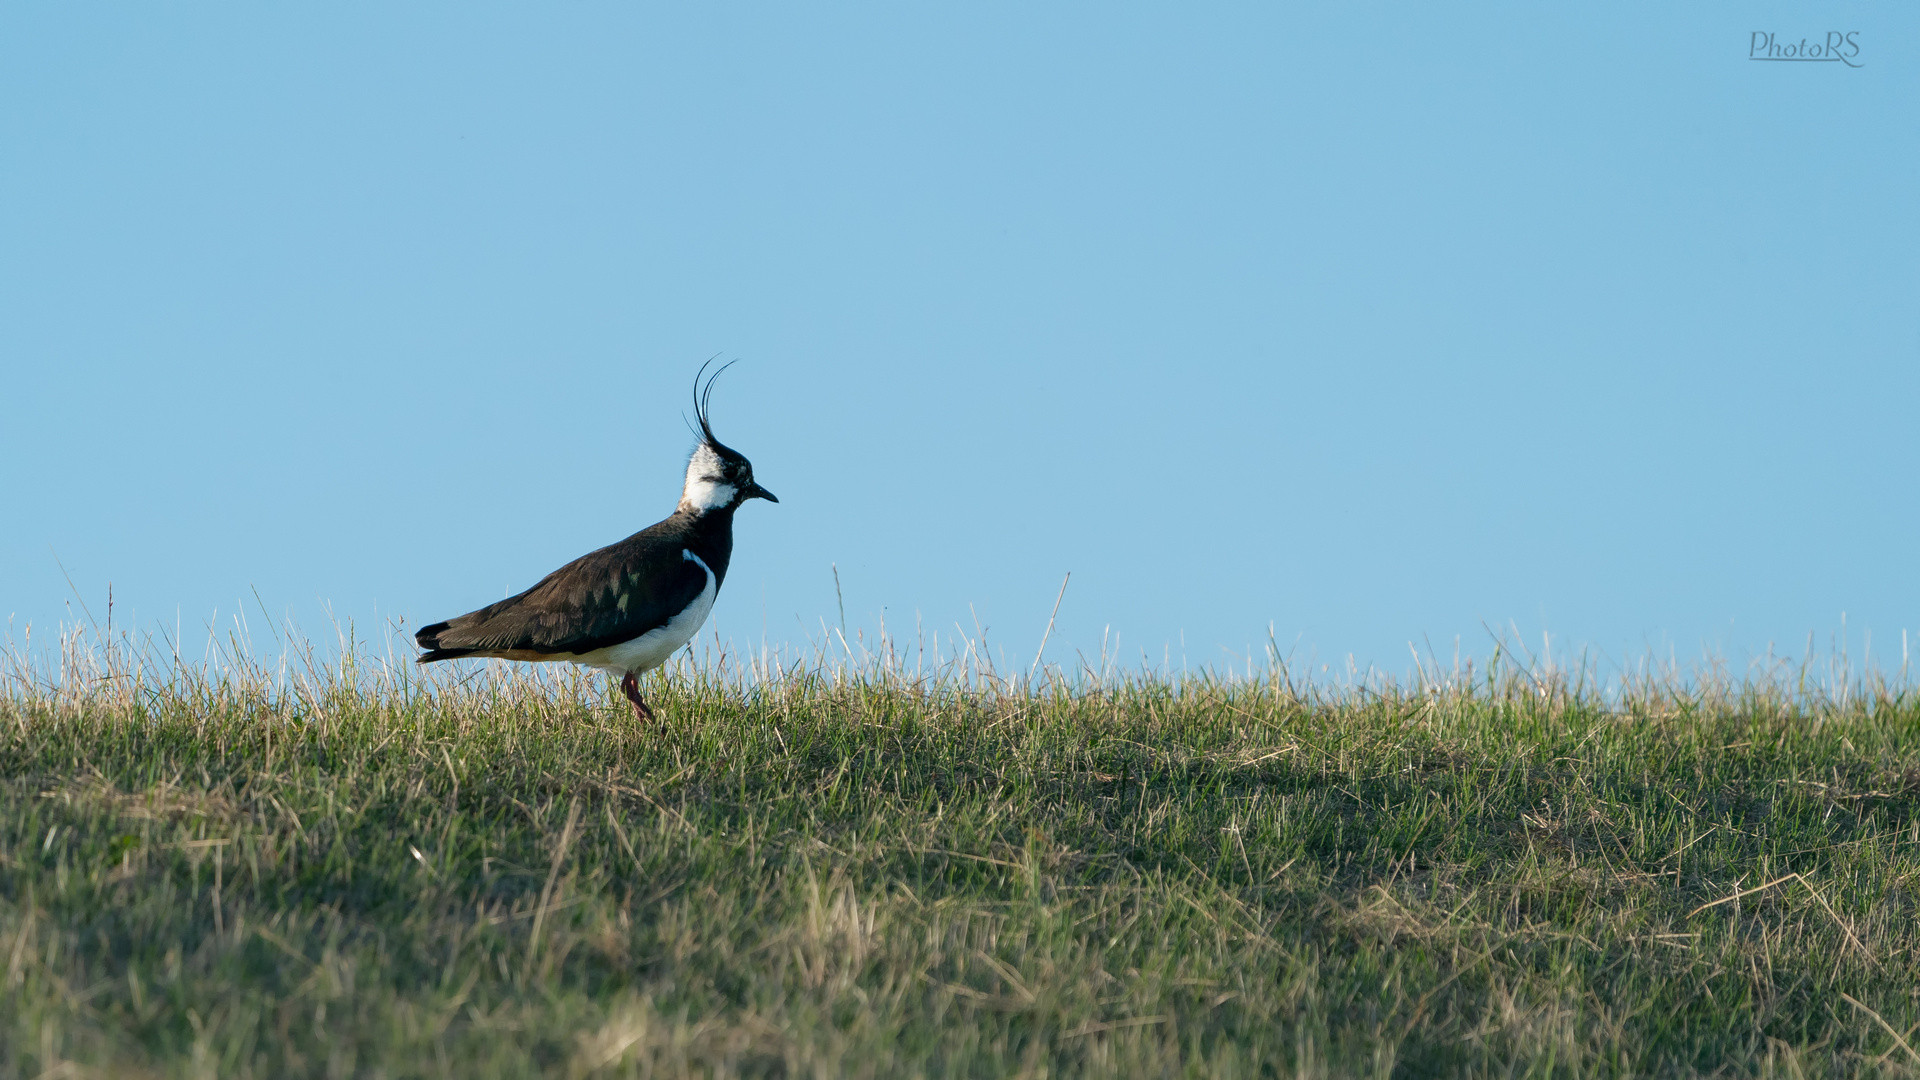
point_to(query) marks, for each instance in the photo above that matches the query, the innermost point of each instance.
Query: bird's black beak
(755, 491)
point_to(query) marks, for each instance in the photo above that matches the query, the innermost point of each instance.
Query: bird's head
(718, 476)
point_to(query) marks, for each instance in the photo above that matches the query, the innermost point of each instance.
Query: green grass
(360, 872)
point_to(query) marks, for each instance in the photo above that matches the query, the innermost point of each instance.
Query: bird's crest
(702, 396)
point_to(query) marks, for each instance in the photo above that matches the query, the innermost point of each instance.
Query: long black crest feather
(702, 397)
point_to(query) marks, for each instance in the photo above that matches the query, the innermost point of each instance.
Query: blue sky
(1375, 323)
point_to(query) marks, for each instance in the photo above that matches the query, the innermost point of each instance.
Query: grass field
(355, 871)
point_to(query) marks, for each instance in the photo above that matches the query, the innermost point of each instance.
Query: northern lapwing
(627, 607)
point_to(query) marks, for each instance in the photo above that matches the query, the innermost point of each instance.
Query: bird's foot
(630, 686)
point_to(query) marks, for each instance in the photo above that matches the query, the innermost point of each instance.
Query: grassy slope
(511, 877)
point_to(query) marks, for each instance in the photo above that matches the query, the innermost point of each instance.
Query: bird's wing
(602, 598)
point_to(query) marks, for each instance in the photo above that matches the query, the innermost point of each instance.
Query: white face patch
(707, 495)
(704, 489)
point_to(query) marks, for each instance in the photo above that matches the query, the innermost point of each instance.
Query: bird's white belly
(651, 649)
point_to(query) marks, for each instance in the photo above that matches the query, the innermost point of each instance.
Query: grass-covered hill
(353, 870)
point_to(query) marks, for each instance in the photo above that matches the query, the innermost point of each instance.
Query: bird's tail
(428, 638)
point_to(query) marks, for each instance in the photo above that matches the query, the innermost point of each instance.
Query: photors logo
(1838, 48)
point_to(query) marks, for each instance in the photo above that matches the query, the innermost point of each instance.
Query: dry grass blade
(1878, 1019)
(1044, 638)
(553, 874)
(1808, 885)
(1114, 1025)
(1743, 892)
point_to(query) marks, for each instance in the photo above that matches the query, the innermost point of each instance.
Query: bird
(627, 607)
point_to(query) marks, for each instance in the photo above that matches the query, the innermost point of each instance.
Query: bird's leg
(630, 686)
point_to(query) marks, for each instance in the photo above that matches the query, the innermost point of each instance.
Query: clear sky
(1375, 323)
